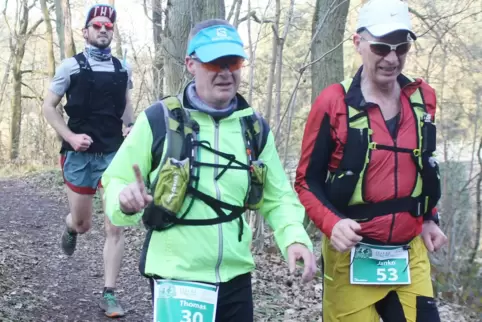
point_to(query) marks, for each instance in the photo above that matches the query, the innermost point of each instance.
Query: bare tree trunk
(478, 220)
(16, 108)
(238, 11)
(252, 58)
(158, 64)
(272, 67)
(117, 36)
(69, 36)
(181, 16)
(279, 62)
(17, 48)
(50, 39)
(330, 69)
(59, 24)
(6, 75)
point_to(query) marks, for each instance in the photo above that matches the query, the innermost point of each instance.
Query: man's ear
(356, 41)
(85, 33)
(190, 65)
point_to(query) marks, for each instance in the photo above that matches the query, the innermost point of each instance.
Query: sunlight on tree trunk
(50, 39)
(59, 26)
(17, 47)
(69, 37)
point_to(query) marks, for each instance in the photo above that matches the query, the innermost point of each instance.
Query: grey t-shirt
(69, 66)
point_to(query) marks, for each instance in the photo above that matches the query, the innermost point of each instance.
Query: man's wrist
(433, 217)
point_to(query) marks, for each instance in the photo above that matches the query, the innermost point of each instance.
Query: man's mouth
(224, 84)
(388, 69)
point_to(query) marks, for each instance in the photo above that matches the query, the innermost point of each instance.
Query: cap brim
(385, 29)
(214, 51)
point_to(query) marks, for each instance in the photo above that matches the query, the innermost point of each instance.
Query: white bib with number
(179, 301)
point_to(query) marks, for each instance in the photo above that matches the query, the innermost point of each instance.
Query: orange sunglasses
(98, 25)
(217, 66)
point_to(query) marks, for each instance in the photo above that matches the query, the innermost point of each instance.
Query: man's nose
(391, 57)
(224, 69)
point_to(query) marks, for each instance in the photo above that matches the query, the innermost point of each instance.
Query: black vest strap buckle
(366, 212)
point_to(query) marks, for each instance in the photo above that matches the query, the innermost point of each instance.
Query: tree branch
(302, 69)
(231, 10)
(255, 18)
(38, 97)
(330, 10)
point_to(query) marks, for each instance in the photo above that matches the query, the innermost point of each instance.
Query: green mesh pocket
(172, 185)
(258, 179)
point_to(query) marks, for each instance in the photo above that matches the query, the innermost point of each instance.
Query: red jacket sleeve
(317, 146)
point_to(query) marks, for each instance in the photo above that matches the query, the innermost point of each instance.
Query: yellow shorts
(345, 302)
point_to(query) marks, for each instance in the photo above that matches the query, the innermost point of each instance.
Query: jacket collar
(242, 103)
(354, 96)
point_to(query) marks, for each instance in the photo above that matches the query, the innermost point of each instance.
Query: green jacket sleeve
(136, 149)
(281, 206)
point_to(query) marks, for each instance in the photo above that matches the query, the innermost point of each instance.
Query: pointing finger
(138, 175)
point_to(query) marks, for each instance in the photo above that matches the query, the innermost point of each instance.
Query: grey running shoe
(69, 241)
(111, 305)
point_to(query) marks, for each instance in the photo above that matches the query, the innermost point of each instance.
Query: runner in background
(368, 179)
(207, 157)
(96, 86)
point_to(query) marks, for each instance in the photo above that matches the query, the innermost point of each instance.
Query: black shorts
(235, 300)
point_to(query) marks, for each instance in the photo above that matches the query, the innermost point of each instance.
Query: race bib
(380, 265)
(179, 301)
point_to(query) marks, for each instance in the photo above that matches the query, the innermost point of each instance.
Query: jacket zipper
(218, 196)
(396, 170)
(396, 188)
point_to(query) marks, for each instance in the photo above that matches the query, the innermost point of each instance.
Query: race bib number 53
(380, 265)
(179, 301)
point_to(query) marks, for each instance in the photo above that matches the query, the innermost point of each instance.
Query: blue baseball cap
(216, 41)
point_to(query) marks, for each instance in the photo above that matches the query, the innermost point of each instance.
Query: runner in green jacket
(224, 178)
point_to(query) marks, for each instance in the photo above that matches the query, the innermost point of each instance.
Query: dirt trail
(47, 285)
(39, 283)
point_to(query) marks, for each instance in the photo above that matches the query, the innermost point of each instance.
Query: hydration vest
(345, 186)
(96, 101)
(178, 174)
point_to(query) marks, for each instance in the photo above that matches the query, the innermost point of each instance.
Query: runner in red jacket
(368, 179)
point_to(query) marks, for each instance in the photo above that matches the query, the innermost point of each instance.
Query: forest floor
(39, 283)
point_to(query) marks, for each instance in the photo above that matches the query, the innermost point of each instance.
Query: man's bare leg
(78, 221)
(113, 253)
(113, 249)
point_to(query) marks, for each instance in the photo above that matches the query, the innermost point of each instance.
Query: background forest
(296, 48)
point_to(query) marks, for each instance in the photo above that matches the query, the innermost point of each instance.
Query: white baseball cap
(381, 17)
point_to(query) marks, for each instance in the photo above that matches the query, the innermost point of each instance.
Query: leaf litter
(39, 283)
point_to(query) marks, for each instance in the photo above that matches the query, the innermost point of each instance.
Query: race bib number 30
(179, 301)
(379, 265)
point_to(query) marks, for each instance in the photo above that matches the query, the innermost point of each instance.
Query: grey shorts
(82, 171)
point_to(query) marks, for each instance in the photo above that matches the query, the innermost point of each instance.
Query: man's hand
(134, 197)
(298, 251)
(80, 142)
(126, 130)
(433, 237)
(344, 235)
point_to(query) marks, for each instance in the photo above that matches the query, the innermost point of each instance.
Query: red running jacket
(389, 174)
